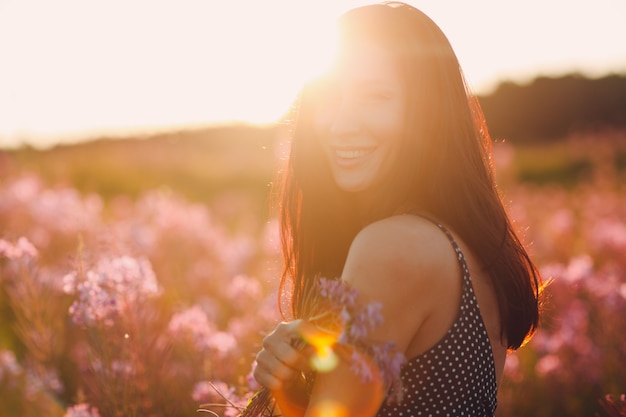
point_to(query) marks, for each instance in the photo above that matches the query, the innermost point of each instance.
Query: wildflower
(21, 249)
(360, 366)
(110, 288)
(193, 323)
(9, 368)
(365, 320)
(390, 362)
(243, 288)
(253, 385)
(211, 391)
(221, 342)
(548, 364)
(82, 410)
(337, 292)
(578, 269)
(42, 381)
(123, 368)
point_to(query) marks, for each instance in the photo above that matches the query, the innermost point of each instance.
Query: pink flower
(579, 268)
(253, 385)
(205, 391)
(242, 289)
(194, 323)
(222, 342)
(547, 365)
(21, 249)
(109, 289)
(512, 367)
(9, 367)
(82, 410)
(46, 380)
(609, 233)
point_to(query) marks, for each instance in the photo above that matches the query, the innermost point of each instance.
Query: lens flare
(325, 359)
(329, 408)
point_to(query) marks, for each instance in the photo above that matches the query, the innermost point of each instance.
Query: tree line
(552, 108)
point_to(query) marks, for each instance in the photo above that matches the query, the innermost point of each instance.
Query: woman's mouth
(347, 157)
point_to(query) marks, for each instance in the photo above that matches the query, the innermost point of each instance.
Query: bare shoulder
(408, 265)
(404, 245)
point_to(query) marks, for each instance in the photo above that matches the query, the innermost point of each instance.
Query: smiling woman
(389, 188)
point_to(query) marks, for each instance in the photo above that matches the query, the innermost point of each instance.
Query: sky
(72, 70)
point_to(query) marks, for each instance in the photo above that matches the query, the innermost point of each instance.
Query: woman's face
(360, 116)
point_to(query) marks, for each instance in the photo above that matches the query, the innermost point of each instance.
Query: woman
(389, 186)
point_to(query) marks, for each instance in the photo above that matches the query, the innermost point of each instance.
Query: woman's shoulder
(404, 236)
(408, 265)
(405, 246)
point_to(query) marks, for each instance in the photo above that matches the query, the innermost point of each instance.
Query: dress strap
(455, 245)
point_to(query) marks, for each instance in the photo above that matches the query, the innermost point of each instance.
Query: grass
(202, 164)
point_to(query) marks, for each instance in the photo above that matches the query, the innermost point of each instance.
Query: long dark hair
(445, 171)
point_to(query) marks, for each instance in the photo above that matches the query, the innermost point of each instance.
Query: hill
(204, 163)
(548, 109)
(196, 163)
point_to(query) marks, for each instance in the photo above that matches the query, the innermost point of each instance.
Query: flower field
(140, 305)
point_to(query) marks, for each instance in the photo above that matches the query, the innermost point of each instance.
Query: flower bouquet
(336, 325)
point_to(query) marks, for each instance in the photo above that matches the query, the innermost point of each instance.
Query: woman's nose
(345, 119)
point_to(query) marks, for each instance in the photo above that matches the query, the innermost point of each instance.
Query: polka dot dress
(456, 377)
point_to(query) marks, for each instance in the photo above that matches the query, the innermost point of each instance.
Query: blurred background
(138, 133)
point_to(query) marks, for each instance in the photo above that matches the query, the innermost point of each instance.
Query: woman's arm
(401, 262)
(406, 264)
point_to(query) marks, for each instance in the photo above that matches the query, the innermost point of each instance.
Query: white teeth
(352, 153)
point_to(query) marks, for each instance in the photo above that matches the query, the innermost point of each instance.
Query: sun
(164, 67)
(278, 61)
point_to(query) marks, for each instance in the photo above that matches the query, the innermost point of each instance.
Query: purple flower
(389, 361)
(360, 366)
(337, 292)
(356, 322)
(365, 320)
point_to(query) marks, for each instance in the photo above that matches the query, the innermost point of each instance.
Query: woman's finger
(280, 343)
(266, 379)
(268, 363)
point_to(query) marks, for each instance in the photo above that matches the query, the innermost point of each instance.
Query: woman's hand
(279, 363)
